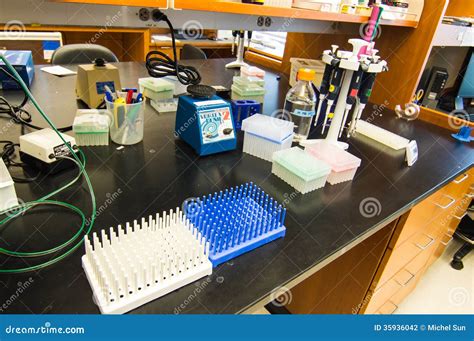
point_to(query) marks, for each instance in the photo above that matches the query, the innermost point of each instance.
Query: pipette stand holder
(239, 62)
(350, 61)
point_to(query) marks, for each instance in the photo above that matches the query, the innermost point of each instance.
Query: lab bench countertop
(159, 173)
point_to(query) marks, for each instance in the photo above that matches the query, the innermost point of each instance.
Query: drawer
(440, 246)
(419, 218)
(381, 295)
(402, 255)
(388, 308)
(460, 185)
(401, 294)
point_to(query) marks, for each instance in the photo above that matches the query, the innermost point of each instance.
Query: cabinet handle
(449, 241)
(462, 179)
(409, 280)
(396, 307)
(469, 195)
(459, 217)
(452, 201)
(424, 247)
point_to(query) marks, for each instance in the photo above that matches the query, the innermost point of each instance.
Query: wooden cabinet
(419, 240)
(340, 287)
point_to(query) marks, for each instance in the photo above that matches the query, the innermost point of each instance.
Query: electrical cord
(160, 65)
(18, 210)
(8, 156)
(18, 113)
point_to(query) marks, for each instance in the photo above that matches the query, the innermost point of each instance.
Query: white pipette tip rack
(130, 267)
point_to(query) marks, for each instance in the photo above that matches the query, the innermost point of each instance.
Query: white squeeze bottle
(300, 103)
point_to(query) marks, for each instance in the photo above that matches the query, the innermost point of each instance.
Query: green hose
(76, 240)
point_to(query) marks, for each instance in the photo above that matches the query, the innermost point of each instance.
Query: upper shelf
(222, 6)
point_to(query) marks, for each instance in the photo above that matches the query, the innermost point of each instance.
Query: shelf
(139, 3)
(222, 6)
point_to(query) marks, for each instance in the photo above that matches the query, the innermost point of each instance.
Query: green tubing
(76, 240)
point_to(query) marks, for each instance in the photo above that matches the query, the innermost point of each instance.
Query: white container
(301, 63)
(343, 164)
(156, 89)
(279, 3)
(8, 197)
(381, 135)
(265, 135)
(318, 5)
(252, 71)
(300, 170)
(91, 127)
(127, 122)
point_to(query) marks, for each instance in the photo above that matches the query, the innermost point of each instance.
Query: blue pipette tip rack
(236, 220)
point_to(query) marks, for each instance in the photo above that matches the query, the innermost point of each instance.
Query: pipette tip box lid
(300, 170)
(265, 135)
(156, 89)
(91, 127)
(252, 71)
(236, 221)
(138, 263)
(343, 164)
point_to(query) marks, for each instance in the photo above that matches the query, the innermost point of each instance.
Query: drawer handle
(452, 201)
(409, 280)
(396, 307)
(462, 179)
(449, 241)
(469, 195)
(459, 217)
(424, 247)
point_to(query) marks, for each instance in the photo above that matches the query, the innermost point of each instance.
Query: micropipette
(351, 98)
(367, 84)
(325, 82)
(333, 92)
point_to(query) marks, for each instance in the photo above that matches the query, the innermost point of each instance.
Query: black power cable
(160, 65)
(8, 156)
(18, 113)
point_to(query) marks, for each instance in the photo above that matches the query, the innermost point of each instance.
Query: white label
(210, 102)
(216, 125)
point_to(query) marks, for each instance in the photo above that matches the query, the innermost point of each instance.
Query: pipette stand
(239, 62)
(350, 62)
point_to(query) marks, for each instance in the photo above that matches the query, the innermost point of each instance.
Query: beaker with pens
(127, 119)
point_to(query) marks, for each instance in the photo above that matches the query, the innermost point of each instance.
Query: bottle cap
(306, 74)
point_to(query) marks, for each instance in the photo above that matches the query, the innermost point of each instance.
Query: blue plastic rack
(236, 220)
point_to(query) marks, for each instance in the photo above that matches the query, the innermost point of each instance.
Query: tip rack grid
(130, 267)
(236, 220)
